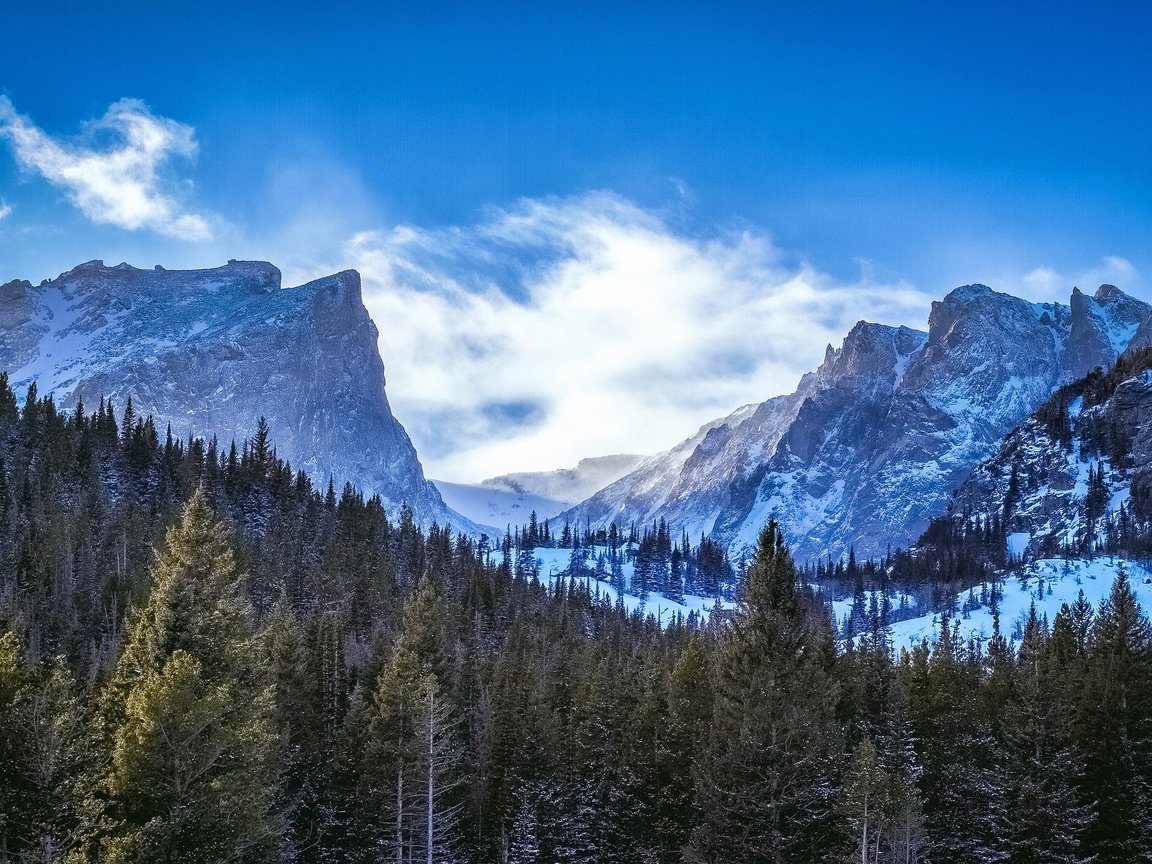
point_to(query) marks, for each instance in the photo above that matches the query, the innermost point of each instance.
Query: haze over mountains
(510, 499)
(861, 455)
(872, 444)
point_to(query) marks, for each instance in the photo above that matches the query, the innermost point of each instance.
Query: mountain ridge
(872, 443)
(510, 499)
(210, 351)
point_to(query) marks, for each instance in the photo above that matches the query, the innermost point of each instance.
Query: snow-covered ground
(554, 562)
(1047, 583)
(842, 609)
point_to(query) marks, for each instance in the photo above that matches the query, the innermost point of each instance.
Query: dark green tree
(766, 782)
(188, 714)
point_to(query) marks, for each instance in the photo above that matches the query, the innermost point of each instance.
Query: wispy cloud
(1047, 283)
(566, 328)
(5, 209)
(114, 173)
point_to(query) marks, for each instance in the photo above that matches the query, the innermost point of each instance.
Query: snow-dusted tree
(1045, 821)
(16, 787)
(437, 758)
(407, 753)
(865, 801)
(524, 842)
(1117, 730)
(963, 783)
(61, 747)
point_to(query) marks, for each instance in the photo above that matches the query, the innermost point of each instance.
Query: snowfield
(553, 565)
(1047, 584)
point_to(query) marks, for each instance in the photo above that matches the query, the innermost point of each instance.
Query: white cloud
(5, 209)
(121, 183)
(574, 327)
(1045, 283)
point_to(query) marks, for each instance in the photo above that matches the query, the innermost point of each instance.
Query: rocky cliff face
(871, 445)
(211, 351)
(1040, 479)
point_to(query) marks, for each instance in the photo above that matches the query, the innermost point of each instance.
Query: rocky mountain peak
(211, 351)
(1107, 292)
(872, 445)
(872, 355)
(1103, 326)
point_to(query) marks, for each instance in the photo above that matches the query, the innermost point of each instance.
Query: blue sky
(883, 149)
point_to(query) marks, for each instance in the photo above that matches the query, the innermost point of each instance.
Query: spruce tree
(403, 744)
(1117, 730)
(16, 786)
(188, 714)
(766, 782)
(61, 747)
(296, 716)
(1044, 819)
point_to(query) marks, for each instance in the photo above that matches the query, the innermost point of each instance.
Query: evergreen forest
(205, 658)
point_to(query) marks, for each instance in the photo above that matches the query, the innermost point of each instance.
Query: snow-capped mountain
(871, 445)
(510, 499)
(211, 351)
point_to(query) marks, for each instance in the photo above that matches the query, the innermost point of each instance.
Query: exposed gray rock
(871, 445)
(1046, 511)
(211, 351)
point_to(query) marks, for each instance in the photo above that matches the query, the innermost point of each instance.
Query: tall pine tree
(766, 783)
(191, 775)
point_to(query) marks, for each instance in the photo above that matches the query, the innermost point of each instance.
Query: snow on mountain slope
(210, 351)
(497, 509)
(871, 445)
(1040, 479)
(1046, 584)
(511, 498)
(697, 478)
(569, 484)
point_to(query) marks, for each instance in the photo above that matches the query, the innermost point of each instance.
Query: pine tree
(188, 714)
(260, 449)
(297, 718)
(962, 783)
(766, 781)
(404, 745)
(1044, 819)
(1117, 730)
(16, 786)
(61, 746)
(866, 799)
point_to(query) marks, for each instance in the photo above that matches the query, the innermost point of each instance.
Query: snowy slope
(554, 564)
(497, 508)
(871, 445)
(1051, 466)
(210, 351)
(1046, 583)
(697, 480)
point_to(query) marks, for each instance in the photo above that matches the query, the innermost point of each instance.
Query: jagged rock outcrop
(871, 445)
(211, 351)
(1040, 481)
